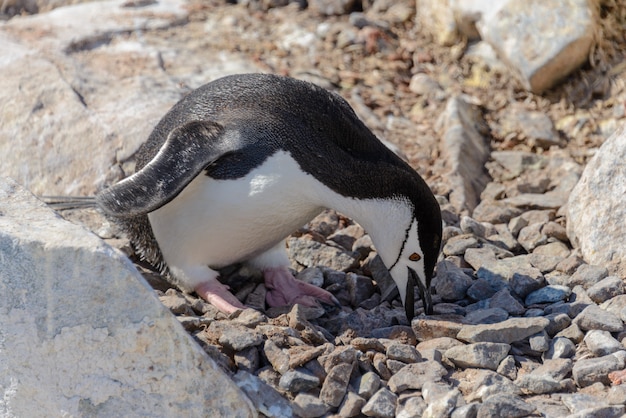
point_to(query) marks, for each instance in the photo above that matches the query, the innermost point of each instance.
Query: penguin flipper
(187, 150)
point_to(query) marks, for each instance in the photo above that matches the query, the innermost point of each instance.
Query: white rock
(543, 41)
(82, 334)
(468, 12)
(77, 99)
(596, 209)
(437, 18)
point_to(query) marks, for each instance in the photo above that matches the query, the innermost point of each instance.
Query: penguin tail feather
(69, 202)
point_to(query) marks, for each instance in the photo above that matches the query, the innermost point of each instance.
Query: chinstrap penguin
(242, 162)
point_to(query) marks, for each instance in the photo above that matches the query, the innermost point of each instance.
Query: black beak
(409, 306)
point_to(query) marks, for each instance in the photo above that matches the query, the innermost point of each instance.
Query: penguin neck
(385, 220)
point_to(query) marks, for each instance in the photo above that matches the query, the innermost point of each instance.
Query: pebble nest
(537, 333)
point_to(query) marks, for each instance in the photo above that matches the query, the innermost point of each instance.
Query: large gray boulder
(597, 207)
(82, 86)
(82, 334)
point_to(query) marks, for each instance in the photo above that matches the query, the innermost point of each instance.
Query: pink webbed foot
(283, 289)
(219, 296)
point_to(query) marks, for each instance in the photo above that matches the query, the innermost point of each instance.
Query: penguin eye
(415, 257)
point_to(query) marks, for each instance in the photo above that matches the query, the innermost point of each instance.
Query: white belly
(221, 222)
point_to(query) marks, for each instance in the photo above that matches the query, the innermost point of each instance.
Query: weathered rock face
(518, 33)
(596, 207)
(72, 85)
(82, 334)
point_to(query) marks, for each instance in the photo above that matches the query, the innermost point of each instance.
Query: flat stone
(517, 272)
(558, 322)
(539, 342)
(413, 376)
(576, 402)
(504, 405)
(609, 411)
(403, 352)
(589, 371)
(593, 317)
(457, 245)
(382, 404)
(74, 335)
(606, 289)
(309, 406)
(495, 212)
(464, 150)
(278, 358)
(548, 294)
(601, 238)
(235, 337)
(300, 380)
(480, 355)
(427, 328)
(311, 253)
(538, 384)
(485, 383)
(486, 316)
(511, 330)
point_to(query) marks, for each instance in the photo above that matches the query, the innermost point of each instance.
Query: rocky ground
(522, 325)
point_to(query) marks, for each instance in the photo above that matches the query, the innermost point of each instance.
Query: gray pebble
(539, 342)
(413, 376)
(458, 244)
(558, 322)
(486, 316)
(504, 300)
(555, 249)
(495, 212)
(548, 294)
(466, 411)
(308, 406)
(593, 317)
(577, 402)
(441, 399)
(312, 275)
(609, 411)
(606, 289)
(531, 237)
(451, 283)
(615, 305)
(591, 370)
(617, 395)
(481, 289)
(403, 352)
(247, 359)
(508, 368)
(560, 347)
(264, 397)
(602, 343)
(504, 405)
(487, 383)
(587, 275)
(545, 263)
(412, 407)
(382, 404)
(572, 333)
(480, 355)
(368, 384)
(394, 366)
(516, 272)
(538, 384)
(360, 288)
(336, 383)
(473, 227)
(478, 257)
(235, 337)
(351, 405)
(299, 380)
(276, 356)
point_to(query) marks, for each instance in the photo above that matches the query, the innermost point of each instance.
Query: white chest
(219, 222)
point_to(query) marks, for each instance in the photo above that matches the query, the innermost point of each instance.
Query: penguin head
(414, 266)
